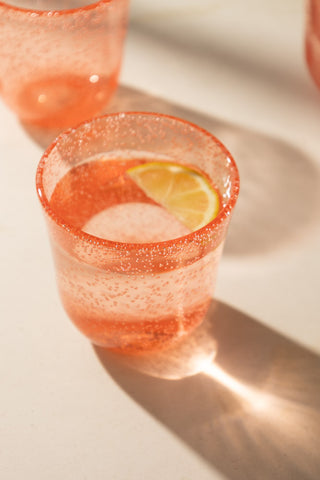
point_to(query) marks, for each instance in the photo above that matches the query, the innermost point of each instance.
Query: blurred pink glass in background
(313, 39)
(60, 66)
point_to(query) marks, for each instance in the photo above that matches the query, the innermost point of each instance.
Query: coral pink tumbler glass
(60, 60)
(128, 279)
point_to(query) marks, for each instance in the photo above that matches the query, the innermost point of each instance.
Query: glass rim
(53, 12)
(98, 241)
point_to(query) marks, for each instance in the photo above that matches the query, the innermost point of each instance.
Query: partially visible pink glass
(313, 39)
(60, 66)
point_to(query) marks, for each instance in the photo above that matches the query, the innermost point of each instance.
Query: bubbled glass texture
(60, 67)
(140, 296)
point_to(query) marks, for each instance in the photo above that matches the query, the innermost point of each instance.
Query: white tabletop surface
(70, 412)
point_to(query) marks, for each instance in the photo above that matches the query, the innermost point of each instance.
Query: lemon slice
(182, 191)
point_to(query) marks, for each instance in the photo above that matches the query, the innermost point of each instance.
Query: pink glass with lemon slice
(137, 207)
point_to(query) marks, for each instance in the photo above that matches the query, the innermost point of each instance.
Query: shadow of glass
(213, 51)
(279, 201)
(279, 198)
(252, 412)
